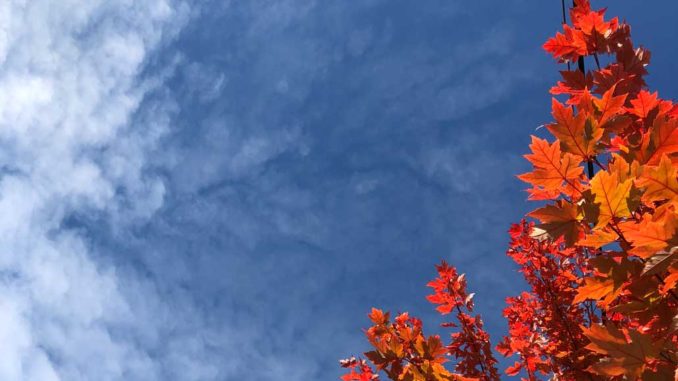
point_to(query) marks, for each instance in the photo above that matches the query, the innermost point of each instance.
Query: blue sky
(221, 190)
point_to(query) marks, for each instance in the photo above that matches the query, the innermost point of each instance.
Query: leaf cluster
(600, 256)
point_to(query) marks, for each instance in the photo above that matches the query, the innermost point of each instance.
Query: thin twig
(595, 57)
(562, 3)
(599, 164)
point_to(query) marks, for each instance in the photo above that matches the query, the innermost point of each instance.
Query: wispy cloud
(69, 95)
(220, 190)
(322, 154)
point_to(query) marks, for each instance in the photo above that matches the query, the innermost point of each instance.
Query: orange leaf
(598, 239)
(550, 169)
(568, 46)
(597, 288)
(622, 357)
(670, 282)
(609, 106)
(664, 138)
(574, 84)
(622, 169)
(572, 132)
(659, 182)
(644, 103)
(648, 236)
(514, 369)
(378, 316)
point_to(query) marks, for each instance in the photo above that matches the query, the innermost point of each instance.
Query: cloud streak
(321, 150)
(220, 190)
(70, 144)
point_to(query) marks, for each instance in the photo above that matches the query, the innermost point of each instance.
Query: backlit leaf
(611, 195)
(561, 219)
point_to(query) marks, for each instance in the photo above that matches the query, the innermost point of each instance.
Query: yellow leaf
(659, 182)
(612, 196)
(623, 170)
(598, 238)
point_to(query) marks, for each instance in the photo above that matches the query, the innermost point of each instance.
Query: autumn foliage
(600, 257)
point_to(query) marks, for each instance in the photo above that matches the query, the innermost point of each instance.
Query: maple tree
(600, 257)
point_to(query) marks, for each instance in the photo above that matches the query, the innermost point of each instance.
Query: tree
(600, 258)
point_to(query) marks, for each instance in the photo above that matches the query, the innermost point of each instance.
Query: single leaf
(664, 139)
(643, 104)
(590, 209)
(514, 369)
(659, 182)
(561, 219)
(568, 46)
(617, 270)
(584, 103)
(378, 316)
(649, 236)
(553, 171)
(609, 106)
(571, 131)
(619, 124)
(674, 111)
(621, 357)
(614, 74)
(538, 193)
(573, 84)
(596, 289)
(622, 169)
(611, 195)
(631, 307)
(670, 283)
(608, 367)
(593, 22)
(598, 238)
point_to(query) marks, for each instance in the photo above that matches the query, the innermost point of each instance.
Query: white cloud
(76, 132)
(69, 88)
